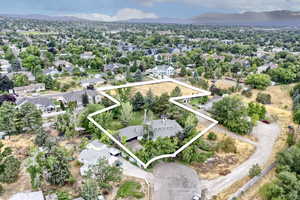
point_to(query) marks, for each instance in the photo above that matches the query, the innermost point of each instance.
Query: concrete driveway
(173, 181)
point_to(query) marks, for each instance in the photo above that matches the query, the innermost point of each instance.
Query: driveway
(173, 181)
(267, 135)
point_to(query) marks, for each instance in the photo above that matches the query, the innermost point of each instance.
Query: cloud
(122, 15)
(239, 5)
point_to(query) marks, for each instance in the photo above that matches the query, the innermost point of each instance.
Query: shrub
(255, 170)
(247, 93)
(130, 189)
(212, 136)
(227, 145)
(263, 98)
(63, 195)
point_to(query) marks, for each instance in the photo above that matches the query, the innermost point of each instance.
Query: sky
(115, 10)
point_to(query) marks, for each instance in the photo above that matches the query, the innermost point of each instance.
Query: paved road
(173, 181)
(267, 136)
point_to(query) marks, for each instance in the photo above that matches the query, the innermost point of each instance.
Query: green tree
(65, 124)
(138, 101)
(126, 113)
(20, 80)
(90, 190)
(255, 170)
(258, 81)
(176, 92)
(232, 113)
(9, 165)
(105, 174)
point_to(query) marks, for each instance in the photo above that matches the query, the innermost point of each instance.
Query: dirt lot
(159, 89)
(222, 163)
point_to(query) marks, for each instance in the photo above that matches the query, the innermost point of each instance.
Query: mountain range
(269, 18)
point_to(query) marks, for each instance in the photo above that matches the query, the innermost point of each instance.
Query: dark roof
(77, 95)
(131, 132)
(43, 101)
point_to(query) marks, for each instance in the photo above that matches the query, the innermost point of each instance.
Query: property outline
(171, 100)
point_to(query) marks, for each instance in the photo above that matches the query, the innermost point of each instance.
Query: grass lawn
(130, 189)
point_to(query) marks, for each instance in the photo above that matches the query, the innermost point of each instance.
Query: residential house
(94, 81)
(45, 104)
(163, 70)
(77, 97)
(111, 67)
(30, 88)
(5, 66)
(28, 196)
(87, 55)
(266, 67)
(160, 128)
(51, 71)
(95, 151)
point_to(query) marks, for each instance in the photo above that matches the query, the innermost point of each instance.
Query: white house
(163, 70)
(28, 196)
(87, 55)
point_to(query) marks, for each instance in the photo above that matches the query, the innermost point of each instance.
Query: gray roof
(43, 101)
(161, 128)
(91, 156)
(93, 81)
(131, 132)
(77, 95)
(165, 128)
(28, 196)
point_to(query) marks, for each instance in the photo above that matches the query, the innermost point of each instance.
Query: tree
(176, 92)
(149, 99)
(9, 165)
(138, 76)
(232, 113)
(20, 80)
(183, 71)
(5, 83)
(138, 102)
(90, 190)
(191, 121)
(162, 104)
(126, 113)
(105, 174)
(256, 109)
(258, 81)
(85, 99)
(50, 165)
(255, 170)
(263, 98)
(7, 116)
(31, 116)
(65, 124)
(7, 98)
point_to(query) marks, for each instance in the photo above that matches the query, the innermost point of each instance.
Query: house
(5, 66)
(28, 196)
(163, 70)
(95, 151)
(76, 96)
(87, 55)
(160, 128)
(51, 71)
(266, 67)
(30, 88)
(94, 81)
(111, 67)
(45, 104)
(64, 65)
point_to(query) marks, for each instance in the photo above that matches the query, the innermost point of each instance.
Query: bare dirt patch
(223, 163)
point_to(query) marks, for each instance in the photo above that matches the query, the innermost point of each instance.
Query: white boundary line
(172, 100)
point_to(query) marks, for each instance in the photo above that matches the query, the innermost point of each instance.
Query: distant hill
(271, 18)
(43, 17)
(162, 21)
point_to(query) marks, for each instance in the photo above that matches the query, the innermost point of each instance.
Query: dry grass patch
(223, 163)
(166, 87)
